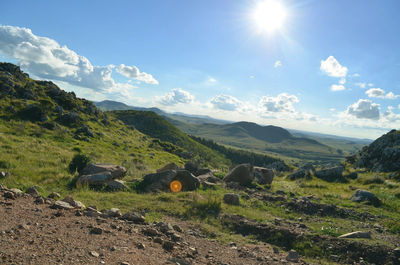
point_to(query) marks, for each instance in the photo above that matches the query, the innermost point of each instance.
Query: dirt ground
(32, 233)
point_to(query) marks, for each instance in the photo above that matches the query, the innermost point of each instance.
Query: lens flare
(175, 186)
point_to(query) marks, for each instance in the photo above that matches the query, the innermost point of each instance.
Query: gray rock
(17, 192)
(73, 203)
(116, 172)
(263, 175)
(116, 185)
(114, 212)
(330, 174)
(161, 181)
(4, 174)
(242, 174)
(133, 217)
(96, 230)
(62, 205)
(357, 234)
(231, 198)
(94, 180)
(191, 167)
(170, 166)
(94, 254)
(32, 191)
(299, 174)
(292, 256)
(365, 196)
(54, 195)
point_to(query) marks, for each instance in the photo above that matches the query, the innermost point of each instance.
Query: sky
(327, 66)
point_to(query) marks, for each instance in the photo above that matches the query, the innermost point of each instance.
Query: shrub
(204, 208)
(374, 180)
(79, 162)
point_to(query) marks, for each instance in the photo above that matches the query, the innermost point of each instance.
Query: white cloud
(337, 87)
(380, 93)
(45, 58)
(277, 64)
(342, 81)
(332, 109)
(176, 96)
(134, 73)
(226, 102)
(252, 77)
(370, 84)
(212, 80)
(364, 109)
(281, 103)
(333, 68)
(361, 84)
(356, 75)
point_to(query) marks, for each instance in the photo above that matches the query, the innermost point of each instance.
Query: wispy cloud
(277, 64)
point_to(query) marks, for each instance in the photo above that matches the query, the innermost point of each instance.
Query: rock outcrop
(382, 155)
(99, 175)
(242, 174)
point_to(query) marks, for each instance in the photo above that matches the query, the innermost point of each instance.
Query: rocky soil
(32, 232)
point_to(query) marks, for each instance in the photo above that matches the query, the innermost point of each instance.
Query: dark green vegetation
(155, 126)
(39, 140)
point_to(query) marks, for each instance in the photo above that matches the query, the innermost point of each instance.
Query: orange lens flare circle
(175, 186)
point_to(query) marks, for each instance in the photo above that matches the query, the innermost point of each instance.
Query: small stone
(357, 234)
(168, 245)
(94, 254)
(62, 205)
(158, 240)
(292, 256)
(176, 237)
(9, 195)
(177, 228)
(54, 195)
(32, 191)
(231, 198)
(141, 246)
(39, 200)
(96, 231)
(276, 250)
(113, 248)
(150, 231)
(124, 263)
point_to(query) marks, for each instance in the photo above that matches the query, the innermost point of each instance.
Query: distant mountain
(110, 105)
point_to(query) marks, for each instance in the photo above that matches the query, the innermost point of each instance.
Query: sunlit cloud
(176, 96)
(380, 93)
(277, 64)
(333, 68)
(337, 87)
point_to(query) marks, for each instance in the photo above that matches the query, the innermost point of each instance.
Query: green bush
(79, 162)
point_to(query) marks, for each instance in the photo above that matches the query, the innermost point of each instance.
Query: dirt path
(32, 233)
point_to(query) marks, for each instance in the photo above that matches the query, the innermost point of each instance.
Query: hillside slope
(382, 155)
(42, 127)
(154, 125)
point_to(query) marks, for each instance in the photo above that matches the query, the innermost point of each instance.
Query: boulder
(134, 217)
(357, 234)
(365, 196)
(191, 167)
(94, 180)
(17, 192)
(299, 174)
(116, 172)
(330, 174)
(231, 198)
(242, 174)
(263, 175)
(203, 171)
(161, 181)
(114, 212)
(209, 177)
(116, 185)
(170, 166)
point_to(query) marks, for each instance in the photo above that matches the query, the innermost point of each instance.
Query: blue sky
(332, 66)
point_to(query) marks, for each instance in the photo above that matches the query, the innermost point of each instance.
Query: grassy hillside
(156, 126)
(42, 127)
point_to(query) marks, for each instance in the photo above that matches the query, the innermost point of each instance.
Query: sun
(269, 15)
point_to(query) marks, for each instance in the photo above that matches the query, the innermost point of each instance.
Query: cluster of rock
(382, 155)
(101, 175)
(245, 174)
